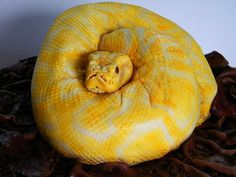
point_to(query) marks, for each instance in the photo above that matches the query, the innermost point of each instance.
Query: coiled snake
(118, 83)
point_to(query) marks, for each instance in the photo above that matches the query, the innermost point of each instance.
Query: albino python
(118, 83)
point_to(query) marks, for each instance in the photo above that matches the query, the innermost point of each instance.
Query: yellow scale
(118, 83)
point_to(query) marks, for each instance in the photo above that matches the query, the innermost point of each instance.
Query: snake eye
(117, 70)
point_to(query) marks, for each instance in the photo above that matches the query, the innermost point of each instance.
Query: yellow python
(118, 83)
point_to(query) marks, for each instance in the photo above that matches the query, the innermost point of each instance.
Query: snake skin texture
(169, 94)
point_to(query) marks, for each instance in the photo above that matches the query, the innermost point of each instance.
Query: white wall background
(23, 23)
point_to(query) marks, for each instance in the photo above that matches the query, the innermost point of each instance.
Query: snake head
(107, 72)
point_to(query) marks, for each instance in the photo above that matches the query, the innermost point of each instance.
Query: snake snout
(94, 82)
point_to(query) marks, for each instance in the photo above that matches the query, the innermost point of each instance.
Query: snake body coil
(168, 93)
